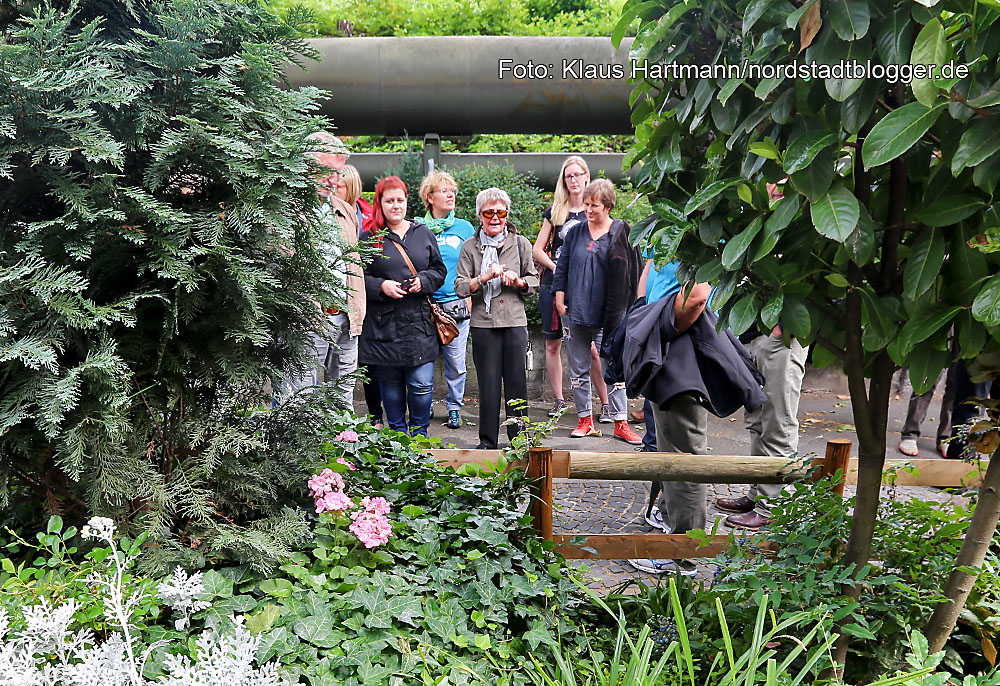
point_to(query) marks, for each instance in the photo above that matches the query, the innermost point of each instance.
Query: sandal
(908, 446)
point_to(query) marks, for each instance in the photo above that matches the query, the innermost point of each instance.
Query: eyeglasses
(570, 177)
(489, 214)
(444, 191)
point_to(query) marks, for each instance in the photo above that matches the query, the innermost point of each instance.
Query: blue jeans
(407, 386)
(454, 366)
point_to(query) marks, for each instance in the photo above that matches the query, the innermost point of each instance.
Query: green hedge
(461, 18)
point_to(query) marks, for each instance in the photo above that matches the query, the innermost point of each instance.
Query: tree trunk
(974, 547)
(871, 409)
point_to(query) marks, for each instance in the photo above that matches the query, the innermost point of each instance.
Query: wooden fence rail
(546, 464)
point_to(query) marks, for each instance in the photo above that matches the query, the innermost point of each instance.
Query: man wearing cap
(336, 350)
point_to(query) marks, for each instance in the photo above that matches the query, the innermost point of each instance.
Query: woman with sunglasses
(565, 213)
(594, 284)
(399, 338)
(495, 268)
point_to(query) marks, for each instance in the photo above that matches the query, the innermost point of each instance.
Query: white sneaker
(655, 519)
(682, 567)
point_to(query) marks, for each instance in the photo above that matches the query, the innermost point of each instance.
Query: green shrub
(499, 143)
(158, 265)
(915, 546)
(463, 586)
(457, 18)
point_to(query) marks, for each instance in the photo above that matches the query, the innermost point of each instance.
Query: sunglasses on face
(489, 214)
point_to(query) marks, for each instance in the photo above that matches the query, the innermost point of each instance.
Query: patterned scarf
(491, 246)
(439, 225)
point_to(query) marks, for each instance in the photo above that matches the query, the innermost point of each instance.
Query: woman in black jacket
(399, 337)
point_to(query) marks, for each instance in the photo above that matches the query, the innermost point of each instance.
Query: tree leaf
(629, 14)
(855, 51)
(897, 132)
(810, 23)
(814, 181)
(823, 356)
(950, 210)
(930, 47)
(986, 306)
(979, 141)
(737, 246)
(893, 40)
(849, 18)
(881, 327)
(836, 214)
(743, 313)
(924, 264)
(795, 317)
(861, 242)
(926, 363)
(858, 108)
(755, 10)
(971, 335)
(925, 323)
(706, 194)
(784, 211)
(771, 312)
(986, 174)
(802, 150)
(989, 97)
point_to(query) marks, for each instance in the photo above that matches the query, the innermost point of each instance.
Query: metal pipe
(544, 165)
(464, 85)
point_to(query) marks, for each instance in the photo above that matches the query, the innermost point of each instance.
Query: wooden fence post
(540, 469)
(838, 456)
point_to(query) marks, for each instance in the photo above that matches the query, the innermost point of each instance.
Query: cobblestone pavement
(583, 507)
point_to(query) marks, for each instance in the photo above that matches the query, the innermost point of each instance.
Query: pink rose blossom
(371, 529)
(347, 464)
(377, 506)
(347, 436)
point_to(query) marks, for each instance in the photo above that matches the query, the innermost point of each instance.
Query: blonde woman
(565, 213)
(349, 190)
(438, 191)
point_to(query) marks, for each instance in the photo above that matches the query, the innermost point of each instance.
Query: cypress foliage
(157, 265)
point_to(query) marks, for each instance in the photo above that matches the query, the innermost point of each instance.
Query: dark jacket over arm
(623, 270)
(660, 364)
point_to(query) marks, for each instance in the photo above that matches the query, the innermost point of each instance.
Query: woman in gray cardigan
(496, 269)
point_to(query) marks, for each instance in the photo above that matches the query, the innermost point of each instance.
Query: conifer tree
(158, 265)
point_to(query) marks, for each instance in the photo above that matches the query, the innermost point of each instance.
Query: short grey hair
(491, 195)
(329, 143)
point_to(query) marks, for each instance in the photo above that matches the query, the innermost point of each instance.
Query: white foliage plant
(47, 651)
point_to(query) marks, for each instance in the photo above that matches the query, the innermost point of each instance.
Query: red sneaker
(625, 433)
(585, 428)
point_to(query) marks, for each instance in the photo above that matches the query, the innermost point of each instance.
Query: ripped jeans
(578, 354)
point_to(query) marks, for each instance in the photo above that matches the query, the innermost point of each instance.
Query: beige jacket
(347, 221)
(506, 309)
